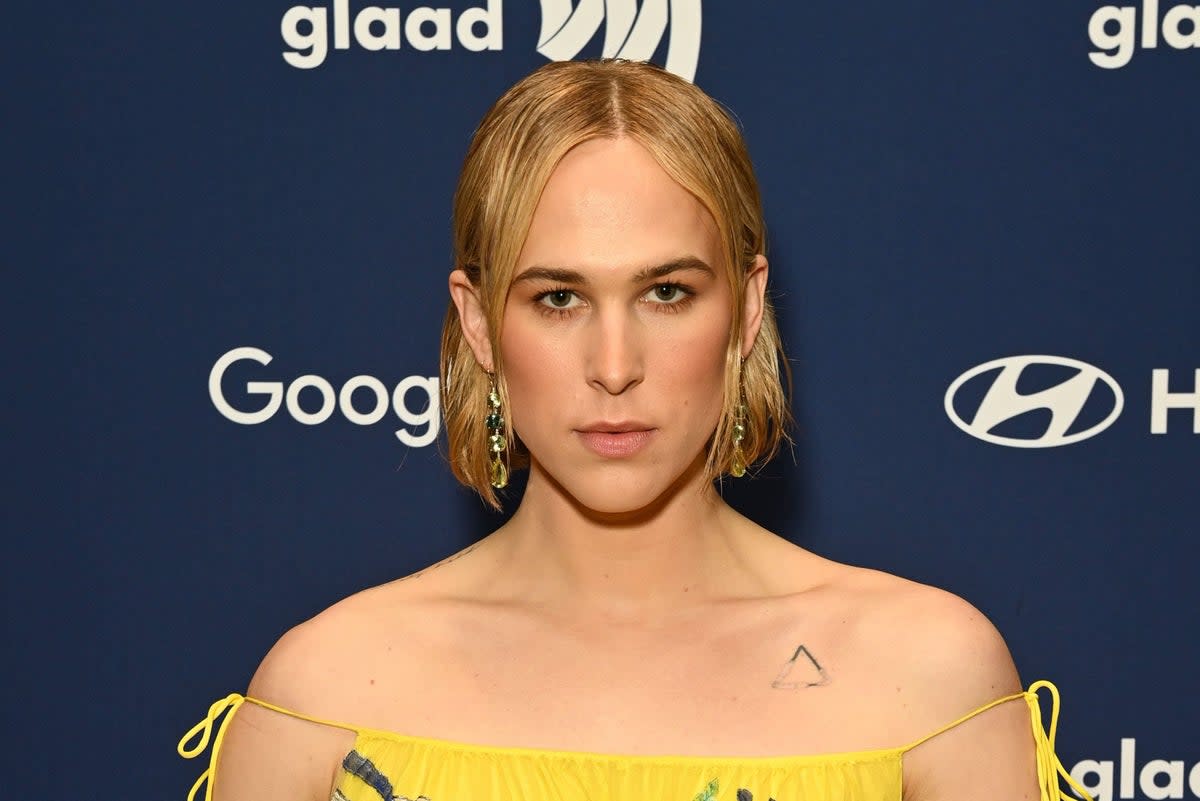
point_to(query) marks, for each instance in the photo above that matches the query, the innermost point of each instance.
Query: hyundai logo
(1065, 401)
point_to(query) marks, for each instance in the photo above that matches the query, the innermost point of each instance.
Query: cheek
(692, 366)
(534, 369)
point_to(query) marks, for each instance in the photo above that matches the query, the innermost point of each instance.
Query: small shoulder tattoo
(801, 671)
(445, 561)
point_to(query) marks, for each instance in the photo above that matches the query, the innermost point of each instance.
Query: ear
(472, 318)
(753, 302)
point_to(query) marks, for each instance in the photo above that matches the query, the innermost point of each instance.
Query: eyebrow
(569, 276)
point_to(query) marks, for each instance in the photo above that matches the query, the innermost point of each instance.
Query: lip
(616, 440)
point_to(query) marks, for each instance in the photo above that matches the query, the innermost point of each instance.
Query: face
(616, 329)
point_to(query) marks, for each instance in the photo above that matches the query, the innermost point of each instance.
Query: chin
(620, 489)
(610, 503)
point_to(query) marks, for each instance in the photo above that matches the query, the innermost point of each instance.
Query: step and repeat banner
(227, 249)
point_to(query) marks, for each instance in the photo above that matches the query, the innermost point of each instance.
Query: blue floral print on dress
(358, 765)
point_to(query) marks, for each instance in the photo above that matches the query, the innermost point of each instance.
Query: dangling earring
(738, 465)
(496, 439)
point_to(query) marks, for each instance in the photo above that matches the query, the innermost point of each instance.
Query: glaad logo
(1097, 776)
(1065, 401)
(567, 27)
(428, 416)
(631, 34)
(306, 30)
(1112, 31)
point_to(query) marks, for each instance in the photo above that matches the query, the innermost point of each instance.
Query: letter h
(1161, 400)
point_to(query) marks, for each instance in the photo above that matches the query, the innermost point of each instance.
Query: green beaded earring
(497, 442)
(738, 465)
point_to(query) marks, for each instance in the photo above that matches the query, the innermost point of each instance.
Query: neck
(634, 567)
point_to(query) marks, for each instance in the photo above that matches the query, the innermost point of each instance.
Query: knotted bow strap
(204, 729)
(1049, 767)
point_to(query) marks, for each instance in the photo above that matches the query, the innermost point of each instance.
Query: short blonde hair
(515, 149)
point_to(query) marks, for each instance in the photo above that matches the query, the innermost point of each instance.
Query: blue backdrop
(949, 186)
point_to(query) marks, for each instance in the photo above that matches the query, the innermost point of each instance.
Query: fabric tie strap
(204, 730)
(1049, 767)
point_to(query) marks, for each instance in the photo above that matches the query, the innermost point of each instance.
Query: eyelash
(666, 307)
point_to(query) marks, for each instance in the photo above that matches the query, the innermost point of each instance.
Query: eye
(558, 299)
(667, 294)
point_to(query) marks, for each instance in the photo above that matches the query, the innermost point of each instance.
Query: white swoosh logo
(630, 33)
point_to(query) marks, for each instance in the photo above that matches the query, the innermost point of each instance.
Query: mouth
(616, 440)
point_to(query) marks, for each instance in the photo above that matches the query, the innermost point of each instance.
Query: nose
(615, 357)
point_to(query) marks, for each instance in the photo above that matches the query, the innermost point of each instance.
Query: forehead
(609, 206)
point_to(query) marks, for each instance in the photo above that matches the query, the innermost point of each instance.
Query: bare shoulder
(924, 652)
(947, 658)
(322, 665)
(322, 674)
(920, 659)
(302, 669)
(269, 754)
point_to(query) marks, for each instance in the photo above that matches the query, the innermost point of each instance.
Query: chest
(743, 687)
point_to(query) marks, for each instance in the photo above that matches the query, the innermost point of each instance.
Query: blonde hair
(515, 149)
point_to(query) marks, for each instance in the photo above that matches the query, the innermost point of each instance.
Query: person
(626, 634)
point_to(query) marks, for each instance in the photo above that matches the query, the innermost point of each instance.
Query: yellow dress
(385, 766)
